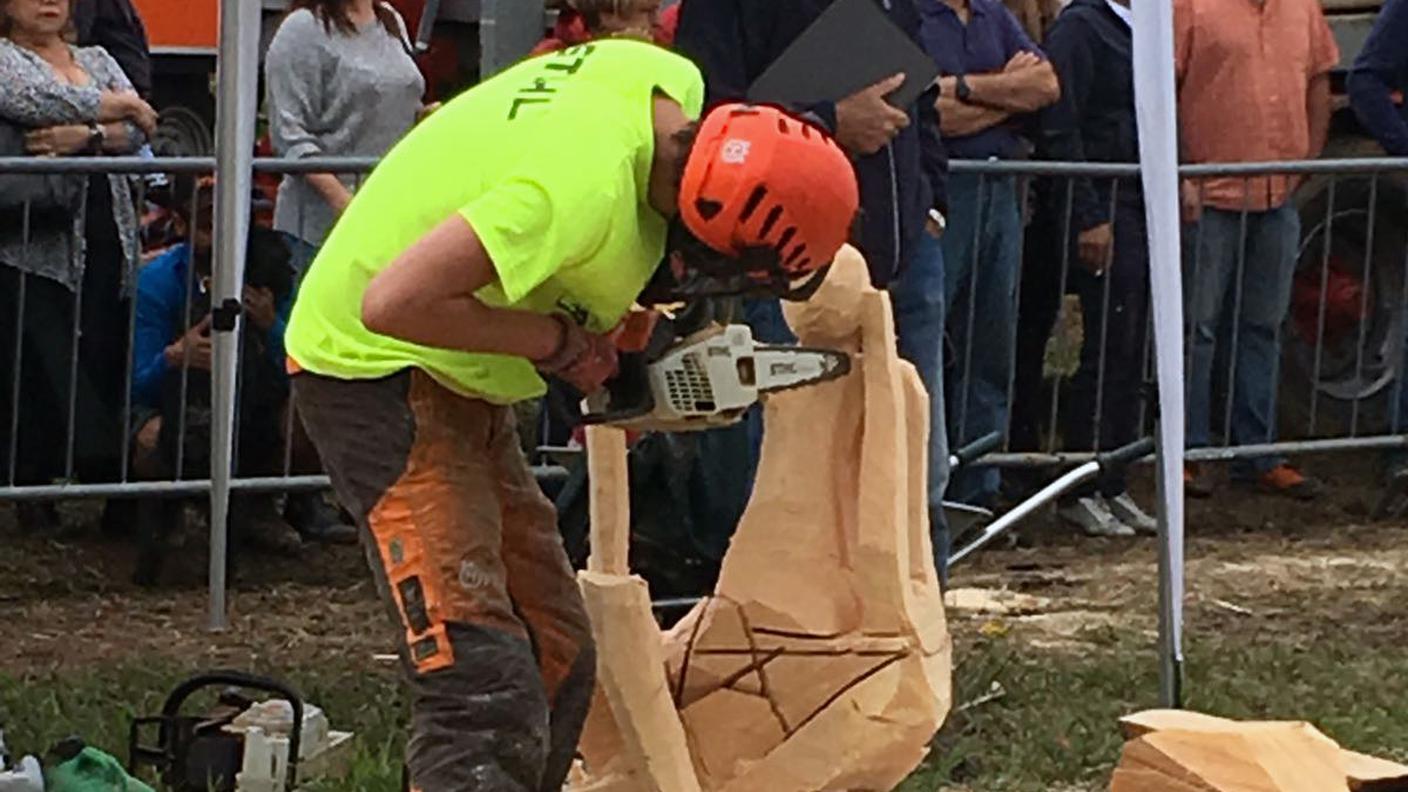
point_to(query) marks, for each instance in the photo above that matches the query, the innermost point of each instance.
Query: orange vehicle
(456, 47)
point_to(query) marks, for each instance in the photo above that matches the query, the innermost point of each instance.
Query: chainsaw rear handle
(980, 447)
(171, 710)
(1123, 457)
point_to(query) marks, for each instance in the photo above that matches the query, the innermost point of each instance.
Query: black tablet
(852, 45)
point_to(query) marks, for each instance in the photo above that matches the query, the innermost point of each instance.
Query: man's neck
(665, 167)
(963, 8)
(362, 11)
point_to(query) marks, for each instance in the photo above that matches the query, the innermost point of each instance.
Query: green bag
(92, 771)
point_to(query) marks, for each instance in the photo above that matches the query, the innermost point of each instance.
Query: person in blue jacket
(1377, 84)
(902, 168)
(172, 330)
(1102, 238)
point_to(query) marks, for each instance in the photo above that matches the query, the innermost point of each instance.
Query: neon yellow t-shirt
(549, 162)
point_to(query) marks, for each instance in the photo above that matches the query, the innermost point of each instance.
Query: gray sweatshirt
(330, 94)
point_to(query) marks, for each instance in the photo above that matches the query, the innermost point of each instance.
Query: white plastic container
(322, 753)
(27, 776)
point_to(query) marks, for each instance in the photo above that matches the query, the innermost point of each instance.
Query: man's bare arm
(960, 119)
(1318, 110)
(427, 297)
(1017, 91)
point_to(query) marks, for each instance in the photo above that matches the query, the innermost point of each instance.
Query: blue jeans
(1253, 275)
(982, 254)
(918, 301)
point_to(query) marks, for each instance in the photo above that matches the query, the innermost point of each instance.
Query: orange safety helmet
(758, 178)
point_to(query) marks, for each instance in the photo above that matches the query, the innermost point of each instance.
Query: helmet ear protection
(691, 270)
(764, 194)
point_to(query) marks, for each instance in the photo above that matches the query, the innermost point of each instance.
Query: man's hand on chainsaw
(583, 360)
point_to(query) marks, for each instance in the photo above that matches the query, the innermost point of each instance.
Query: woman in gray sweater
(341, 82)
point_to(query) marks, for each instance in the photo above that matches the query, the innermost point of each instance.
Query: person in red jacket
(582, 20)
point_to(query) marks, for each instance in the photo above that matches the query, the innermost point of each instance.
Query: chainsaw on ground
(705, 380)
(242, 744)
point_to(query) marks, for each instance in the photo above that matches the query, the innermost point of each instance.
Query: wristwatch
(96, 137)
(961, 89)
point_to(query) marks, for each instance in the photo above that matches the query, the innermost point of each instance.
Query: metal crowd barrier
(1338, 331)
(1337, 376)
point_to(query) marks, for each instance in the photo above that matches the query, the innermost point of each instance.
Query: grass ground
(1292, 613)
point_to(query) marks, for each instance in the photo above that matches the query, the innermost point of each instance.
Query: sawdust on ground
(1254, 564)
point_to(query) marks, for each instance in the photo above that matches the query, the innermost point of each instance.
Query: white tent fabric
(1155, 100)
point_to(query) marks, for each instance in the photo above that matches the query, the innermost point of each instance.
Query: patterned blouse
(34, 97)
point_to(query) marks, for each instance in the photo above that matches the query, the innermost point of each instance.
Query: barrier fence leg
(236, 103)
(1170, 585)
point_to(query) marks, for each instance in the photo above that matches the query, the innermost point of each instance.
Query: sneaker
(1093, 516)
(1128, 512)
(264, 528)
(317, 521)
(1196, 483)
(1286, 480)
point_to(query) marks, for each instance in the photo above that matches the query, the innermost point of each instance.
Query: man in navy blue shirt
(1380, 78)
(1377, 84)
(992, 75)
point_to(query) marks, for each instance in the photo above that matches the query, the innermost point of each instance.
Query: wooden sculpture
(1176, 751)
(822, 660)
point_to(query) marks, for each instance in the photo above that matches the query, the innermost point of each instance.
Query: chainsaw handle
(1125, 455)
(967, 454)
(246, 681)
(627, 395)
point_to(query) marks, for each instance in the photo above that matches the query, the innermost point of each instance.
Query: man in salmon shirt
(1253, 86)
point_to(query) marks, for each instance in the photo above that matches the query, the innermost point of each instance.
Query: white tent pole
(235, 107)
(1155, 92)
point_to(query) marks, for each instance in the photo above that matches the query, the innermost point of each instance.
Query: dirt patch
(70, 604)
(1255, 564)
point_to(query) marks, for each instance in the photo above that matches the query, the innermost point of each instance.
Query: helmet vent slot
(774, 215)
(754, 200)
(708, 209)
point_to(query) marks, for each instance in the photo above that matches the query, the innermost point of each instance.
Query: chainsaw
(705, 380)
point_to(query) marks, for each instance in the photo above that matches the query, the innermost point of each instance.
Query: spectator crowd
(109, 345)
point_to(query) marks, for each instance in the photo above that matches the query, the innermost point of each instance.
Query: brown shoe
(1286, 480)
(1196, 483)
